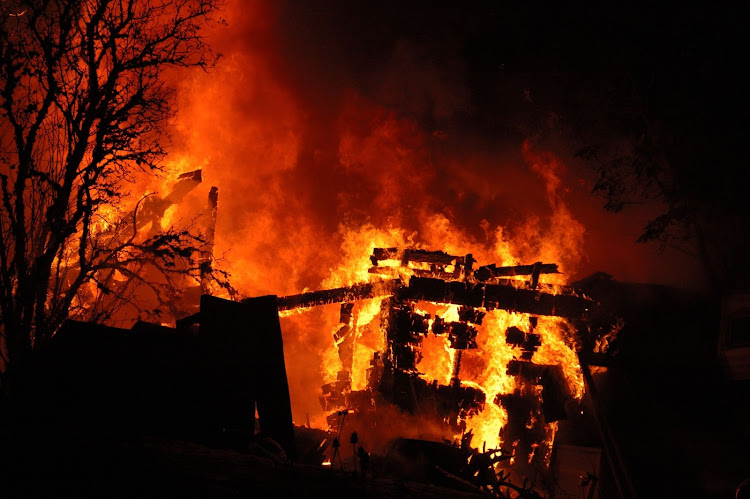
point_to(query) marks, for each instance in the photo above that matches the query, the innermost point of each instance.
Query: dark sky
(689, 55)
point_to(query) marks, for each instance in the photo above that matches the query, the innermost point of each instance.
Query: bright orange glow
(437, 359)
(368, 340)
(306, 195)
(486, 369)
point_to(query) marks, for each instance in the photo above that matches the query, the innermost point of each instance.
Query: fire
(307, 195)
(487, 368)
(330, 365)
(437, 359)
(556, 350)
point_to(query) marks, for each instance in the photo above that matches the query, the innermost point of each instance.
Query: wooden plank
(488, 272)
(492, 296)
(338, 295)
(431, 257)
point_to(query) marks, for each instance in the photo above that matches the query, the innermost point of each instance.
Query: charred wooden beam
(339, 295)
(555, 391)
(532, 342)
(185, 183)
(487, 272)
(416, 395)
(489, 296)
(383, 254)
(405, 357)
(469, 263)
(455, 377)
(529, 342)
(492, 296)
(514, 336)
(341, 332)
(437, 273)
(437, 258)
(517, 404)
(206, 264)
(345, 312)
(463, 336)
(439, 326)
(333, 393)
(472, 315)
(404, 325)
(440, 291)
(153, 207)
(431, 257)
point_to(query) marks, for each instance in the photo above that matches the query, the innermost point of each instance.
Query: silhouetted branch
(82, 106)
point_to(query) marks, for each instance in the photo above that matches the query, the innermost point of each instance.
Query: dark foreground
(678, 417)
(72, 463)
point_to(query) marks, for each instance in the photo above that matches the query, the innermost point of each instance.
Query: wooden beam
(339, 295)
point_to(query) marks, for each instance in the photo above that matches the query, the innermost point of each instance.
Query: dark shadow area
(677, 416)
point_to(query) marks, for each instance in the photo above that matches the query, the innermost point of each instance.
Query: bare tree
(693, 175)
(662, 120)
(83, 105)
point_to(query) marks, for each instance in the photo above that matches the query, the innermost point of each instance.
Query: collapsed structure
(406, 279)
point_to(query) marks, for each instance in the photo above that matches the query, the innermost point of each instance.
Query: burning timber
(483, 288)
(404, 279)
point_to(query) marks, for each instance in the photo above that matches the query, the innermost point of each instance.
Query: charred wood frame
(403, 279)
(435, 276)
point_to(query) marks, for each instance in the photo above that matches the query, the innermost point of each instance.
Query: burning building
(396, 176)
(428, 310)
(434, 349)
